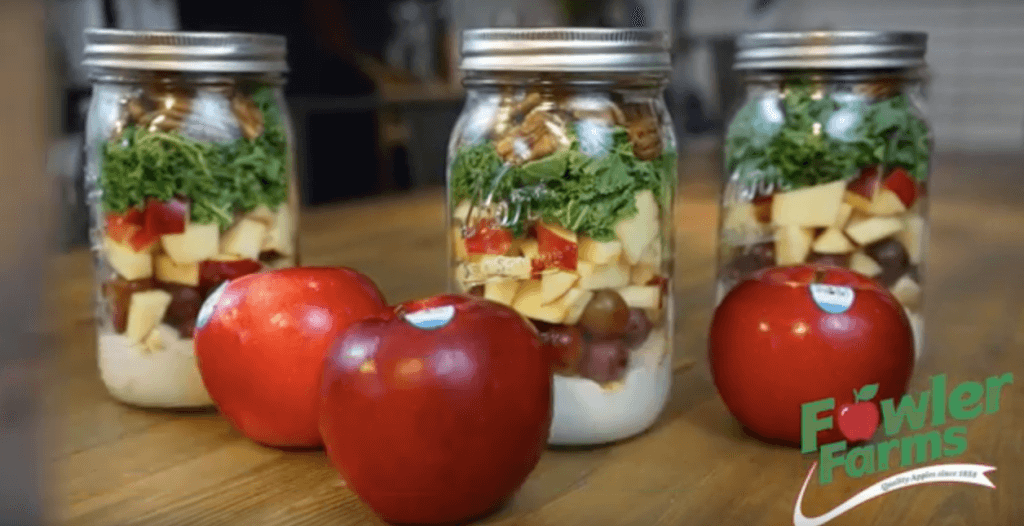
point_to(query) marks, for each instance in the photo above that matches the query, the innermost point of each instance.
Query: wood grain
(115, 465)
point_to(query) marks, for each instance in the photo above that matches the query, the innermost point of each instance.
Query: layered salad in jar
(193, 189)
(832, 174)
(561, 207)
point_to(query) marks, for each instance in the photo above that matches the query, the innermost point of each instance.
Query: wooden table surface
(116, 465)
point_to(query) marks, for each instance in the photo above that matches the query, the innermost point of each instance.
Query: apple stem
(856, 396)
(819, 276)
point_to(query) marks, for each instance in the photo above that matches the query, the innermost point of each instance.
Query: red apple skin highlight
(433, 426)
(773, 349)
(261, 352)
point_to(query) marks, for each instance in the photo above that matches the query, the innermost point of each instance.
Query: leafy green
(808, 139)
(585, 193)
(219, 179)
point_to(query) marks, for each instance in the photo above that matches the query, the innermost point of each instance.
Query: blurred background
(375, 89)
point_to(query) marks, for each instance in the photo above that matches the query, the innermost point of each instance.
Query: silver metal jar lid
(185, 51)
(830, 50)
(566, 49)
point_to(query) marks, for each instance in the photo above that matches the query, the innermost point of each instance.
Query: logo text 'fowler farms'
(859, 421)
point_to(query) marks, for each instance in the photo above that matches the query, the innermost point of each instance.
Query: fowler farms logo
(859, 421)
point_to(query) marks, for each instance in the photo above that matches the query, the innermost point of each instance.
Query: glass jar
(827, 160)
(190, 183)
(561, 184)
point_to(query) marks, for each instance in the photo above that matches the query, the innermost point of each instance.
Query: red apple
(901, 184)
(772, 347)
(437, 412)
(215, 272)
(129, 228)
(557, 246)
(260, 342)
(488, 238)
(866, 184)
(858, 421)
(166, 217)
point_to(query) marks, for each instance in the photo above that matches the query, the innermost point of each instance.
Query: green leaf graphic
(867, 392)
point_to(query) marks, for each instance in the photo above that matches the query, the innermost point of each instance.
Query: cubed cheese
(145, 310)
(129, 264)
(845, 211)
(529, 302)
(832, 241)
(913, 237)
(813, 206)
(862, 263)
(610, 276)
(501, 291)
(197, 243)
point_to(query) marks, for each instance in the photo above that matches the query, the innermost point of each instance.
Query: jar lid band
(830, 50)
(185, 51)
(582, 50)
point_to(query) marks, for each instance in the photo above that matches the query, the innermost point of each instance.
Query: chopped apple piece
(652, 254)
(610, 276)
(868, 230)
(530, 249)
(636, 232)
(832, 241)
(642, 273)
(529, 302)
(501, 291)
(913, 237)
(169, 271)
(461, 212)
(861, 262)
(808, 207)
(244, 239)
(792, 244)
(599, 252)
(555, 284)
(575, 301)
(558, 246)
(845, 211)
(264, 214)
(145, 310)
(907, 291)
(196, 243)
(459, 245)
(129, 264)
(280, 235)
(640, 297)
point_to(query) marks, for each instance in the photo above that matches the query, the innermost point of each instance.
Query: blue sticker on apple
(834, 299)
(431, 318)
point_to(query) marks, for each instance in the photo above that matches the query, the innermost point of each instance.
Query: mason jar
(561, 184)
(827, 160)
(190, 182)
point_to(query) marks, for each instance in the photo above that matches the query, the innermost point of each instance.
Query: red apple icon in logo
(859, 421)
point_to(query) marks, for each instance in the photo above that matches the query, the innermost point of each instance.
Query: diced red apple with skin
(903, 185)
(488, 238)
(128, 263)
(813, 206)
(166, 217)
(558, 247)
(877, 196)
(197, 243)
(216, 271)
(122, 227)
(119, 292)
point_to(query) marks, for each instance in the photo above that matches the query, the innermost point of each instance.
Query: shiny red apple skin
(261, 350)
(432, 426)
(901, 184)
(857, 422)
(489, 238)
(166, 217)
(773, 349)
(212, 273)
(556, 251)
